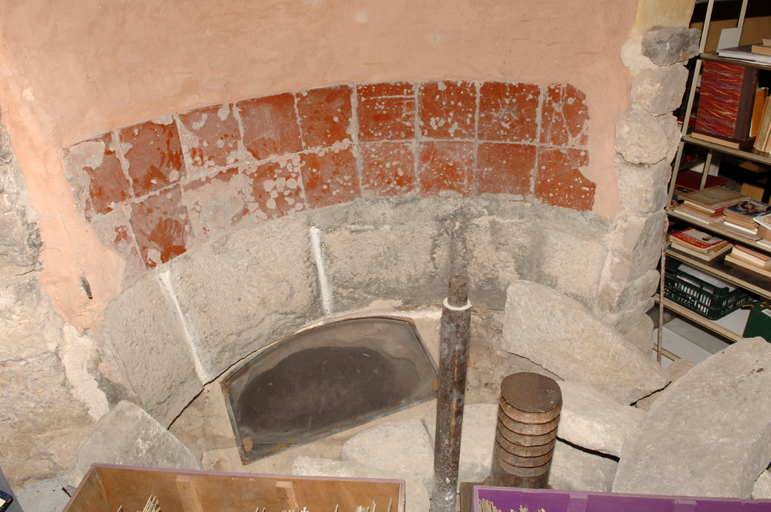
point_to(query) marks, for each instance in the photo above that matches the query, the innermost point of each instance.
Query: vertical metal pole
(660, 333)
(456, 321)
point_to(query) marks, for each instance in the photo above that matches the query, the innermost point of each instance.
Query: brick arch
(154, 190)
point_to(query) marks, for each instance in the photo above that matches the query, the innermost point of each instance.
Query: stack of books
(750, 259)
(708, 205)
(764, 229)
(699, 244)
(740, 218)
(749, 53)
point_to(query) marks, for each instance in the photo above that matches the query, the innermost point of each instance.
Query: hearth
(324, 380)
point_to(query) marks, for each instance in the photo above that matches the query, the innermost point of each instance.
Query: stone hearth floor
(204, 426)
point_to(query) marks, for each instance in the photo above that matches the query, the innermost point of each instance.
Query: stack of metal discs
(528, 415)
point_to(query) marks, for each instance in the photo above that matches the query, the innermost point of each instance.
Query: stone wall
(54, 383)
(154, 190)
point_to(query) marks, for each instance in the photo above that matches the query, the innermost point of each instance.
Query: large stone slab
(129, 436)
(151, 342)
(573, 469)
(561, 335)
(381, 250)
(595, 421)
(416, 495)
(762, 488)
(709, 433)
(477, 440)
(245, 291)
(396, 446)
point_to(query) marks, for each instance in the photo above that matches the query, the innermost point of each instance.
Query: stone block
(477, 440)
(641, 138)
(242, 292)
(129, 436)
(573, 469)
(643, 188)
(569, 250)
(417, 496)
(708, 434)
(20, 241)
(668, 45)
(44, 496)
(41, 424)
(659, 91)
(617, 297)
(675, 370)
(595, 421)
(636, 248)
(396, 446)
(388, 250)
(29, 326)
(150, 340)
(762, 488)
(564, 337)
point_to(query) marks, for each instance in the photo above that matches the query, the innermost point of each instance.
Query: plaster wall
(73, 71)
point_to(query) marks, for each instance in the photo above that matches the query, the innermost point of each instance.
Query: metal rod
(456, 321)
(661, 291)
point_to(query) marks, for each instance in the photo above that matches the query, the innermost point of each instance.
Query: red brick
(330, 178)
(154, 156)
(388, 168)
(216, 204)
(560, 183)
(564, 116)
(325, 116)
(275, 189)
(445, 168)
(386, 111)
(160, 226)
(108, 185)
(447, 110)
(508, 112)
(270, 126)
(505, 168)
(215, 136)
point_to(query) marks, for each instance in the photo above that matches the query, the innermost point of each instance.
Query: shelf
(712, 56)
(747, 154)
(700, 320)
(716, 229)
(748, 280)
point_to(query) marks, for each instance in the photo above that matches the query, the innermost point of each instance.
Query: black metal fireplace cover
(324, 380)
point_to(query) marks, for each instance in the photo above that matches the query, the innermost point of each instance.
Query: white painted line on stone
(456, 308)
(164, 279)
(325, 282)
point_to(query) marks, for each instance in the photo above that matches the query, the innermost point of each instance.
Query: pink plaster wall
(73, 70)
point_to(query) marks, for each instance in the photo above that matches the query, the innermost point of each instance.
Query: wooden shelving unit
(747, 280)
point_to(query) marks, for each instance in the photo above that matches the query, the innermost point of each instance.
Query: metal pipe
(456, 321)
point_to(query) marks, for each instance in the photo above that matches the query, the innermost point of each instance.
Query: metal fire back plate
(324, 380)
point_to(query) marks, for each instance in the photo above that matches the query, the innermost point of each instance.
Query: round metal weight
(524, 451)
(505, 479)
(526, 440)
(520, 471)
(529, 429)
(537, 396)
(522, 462)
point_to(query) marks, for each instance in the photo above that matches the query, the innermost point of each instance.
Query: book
(705, 256)
(744, 53)
(751, 256)
(745, 212)
(763, 138)
(730, 258)
(761, 49)
(726, 101)
(5, 500)
(698, 240)
(749, 234)
(723, 141)
(761, 94)
(713, 198)
(691, 180)
(696, 213)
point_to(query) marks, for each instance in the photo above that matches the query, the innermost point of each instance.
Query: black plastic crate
(708, 300)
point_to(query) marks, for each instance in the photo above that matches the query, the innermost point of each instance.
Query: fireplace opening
(324, 380)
